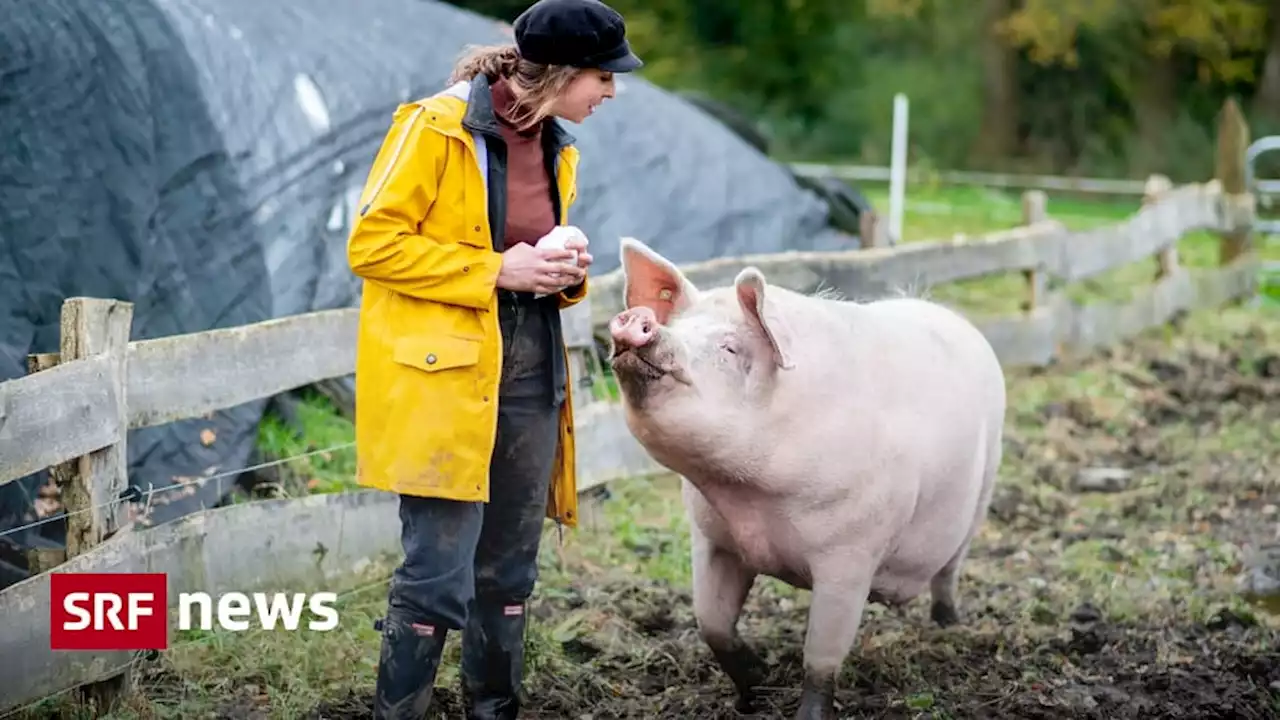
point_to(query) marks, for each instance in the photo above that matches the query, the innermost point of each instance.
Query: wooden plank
(321, 542)
(1103, 324)
(606, 449)
(924, 264)
(1024, 339)
(580, 379)
(190, 375)
(1156, 226)
(56, 415)
(865, 274)
(1219, 286)
(576, 322)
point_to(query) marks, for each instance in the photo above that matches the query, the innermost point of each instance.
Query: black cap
(578, 33)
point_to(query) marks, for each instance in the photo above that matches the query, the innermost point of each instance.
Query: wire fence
(135, 494)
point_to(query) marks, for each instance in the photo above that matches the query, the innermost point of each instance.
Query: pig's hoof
(745, 703)
(817, 699)
(743, 666)
(944, 614)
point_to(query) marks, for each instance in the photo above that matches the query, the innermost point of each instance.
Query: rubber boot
(493, 662)
(407, 666)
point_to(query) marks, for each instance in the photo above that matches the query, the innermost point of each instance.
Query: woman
(462, 398)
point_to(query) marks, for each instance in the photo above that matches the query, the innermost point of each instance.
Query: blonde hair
(538, 86)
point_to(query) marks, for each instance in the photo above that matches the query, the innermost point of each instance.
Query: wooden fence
(72, 413)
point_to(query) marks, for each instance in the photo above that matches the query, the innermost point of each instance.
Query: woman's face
(587, 90)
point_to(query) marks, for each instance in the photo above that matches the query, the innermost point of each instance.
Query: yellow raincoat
(429, 350)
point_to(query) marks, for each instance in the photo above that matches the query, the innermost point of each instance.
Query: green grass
(317, 427)
(939, 212)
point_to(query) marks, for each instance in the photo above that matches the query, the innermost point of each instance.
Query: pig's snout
(633, 328)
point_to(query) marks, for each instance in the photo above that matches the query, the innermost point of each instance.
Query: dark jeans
(459, 556)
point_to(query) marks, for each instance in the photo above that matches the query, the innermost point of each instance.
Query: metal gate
(1263, 190)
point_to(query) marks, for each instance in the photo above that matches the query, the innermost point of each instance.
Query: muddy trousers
(473, 566)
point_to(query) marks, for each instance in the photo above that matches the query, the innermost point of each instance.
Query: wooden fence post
(1166, 259)
(92, 326)
(580, 343)
(1233, 142)
(871, 231)
(93, 484)
(1035, 208)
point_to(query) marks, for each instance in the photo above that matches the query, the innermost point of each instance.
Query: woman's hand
(543, 271)
(579, 245)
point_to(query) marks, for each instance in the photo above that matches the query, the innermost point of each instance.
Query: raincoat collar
(479, 116)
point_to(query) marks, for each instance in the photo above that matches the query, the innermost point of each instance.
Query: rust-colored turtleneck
(530, 212)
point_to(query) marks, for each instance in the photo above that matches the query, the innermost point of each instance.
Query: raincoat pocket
(435, 353)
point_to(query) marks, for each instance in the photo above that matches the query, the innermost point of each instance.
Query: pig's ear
(751, 295)
(653, 281)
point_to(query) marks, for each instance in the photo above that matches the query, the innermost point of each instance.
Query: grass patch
(940, 212)
(309, 429)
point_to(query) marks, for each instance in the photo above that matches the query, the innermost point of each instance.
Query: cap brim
(624, 64)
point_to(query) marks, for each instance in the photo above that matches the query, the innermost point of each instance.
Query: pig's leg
(942, 588)
(944, 585)
(840, 591)
(720, 587)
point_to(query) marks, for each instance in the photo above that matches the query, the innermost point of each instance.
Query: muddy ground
(1103, 586)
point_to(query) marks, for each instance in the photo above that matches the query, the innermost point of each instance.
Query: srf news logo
(130, 611)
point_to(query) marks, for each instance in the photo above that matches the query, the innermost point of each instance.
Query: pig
(846, 448)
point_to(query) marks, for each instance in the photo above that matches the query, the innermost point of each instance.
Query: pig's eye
(728, 348)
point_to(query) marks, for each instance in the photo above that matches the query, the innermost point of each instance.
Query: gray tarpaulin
(201, 158)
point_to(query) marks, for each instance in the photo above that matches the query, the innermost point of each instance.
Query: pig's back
(902, 377)
(910, 345)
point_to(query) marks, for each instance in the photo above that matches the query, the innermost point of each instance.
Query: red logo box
(108, 611)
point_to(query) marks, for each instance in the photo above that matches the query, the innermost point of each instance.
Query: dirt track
(1080, 604)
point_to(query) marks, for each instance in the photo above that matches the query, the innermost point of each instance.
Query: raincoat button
(476, 228)
(431, 358)
(466, 268)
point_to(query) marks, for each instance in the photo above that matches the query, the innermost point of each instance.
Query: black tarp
(201, 159)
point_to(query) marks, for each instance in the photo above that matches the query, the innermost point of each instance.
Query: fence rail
(1044, 251)
(1003, 181)
(1009, 181)
(72, 413)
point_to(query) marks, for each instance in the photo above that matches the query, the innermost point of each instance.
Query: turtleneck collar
(503, 101)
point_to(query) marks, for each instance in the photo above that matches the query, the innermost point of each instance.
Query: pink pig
(845, 448)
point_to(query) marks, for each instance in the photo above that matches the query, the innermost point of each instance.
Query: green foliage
(1098, 87)
(313, 466)
(1269, 286)
(1213, 32)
